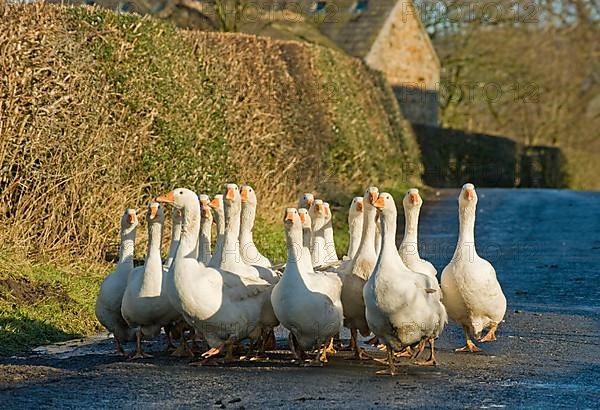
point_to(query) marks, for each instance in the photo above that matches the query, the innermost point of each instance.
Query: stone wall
(452, 157)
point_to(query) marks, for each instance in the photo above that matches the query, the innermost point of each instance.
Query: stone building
(387, 34)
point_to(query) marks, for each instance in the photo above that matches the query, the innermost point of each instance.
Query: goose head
(385, 205)
(205, 207)
(180, 198)
(292, 219)
(248, 195)
(155, 213)
(412, 199)
(306, 200)
(305, 218)
(231, 198)
(293, 227)
(468, 197)
(356, 208)
(317, 212)
(129, 220)
(370, 196)
(218, 208)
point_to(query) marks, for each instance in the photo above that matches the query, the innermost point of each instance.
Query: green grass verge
(43, 302)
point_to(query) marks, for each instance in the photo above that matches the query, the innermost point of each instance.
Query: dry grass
(100, 111)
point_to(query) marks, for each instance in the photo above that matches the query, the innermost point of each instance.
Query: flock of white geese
(232, 293)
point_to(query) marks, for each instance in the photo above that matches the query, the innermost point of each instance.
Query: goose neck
(466, 234)
(318, 239)
(295, 254)
(217, 257)
(411, 230)
(175, 239)
(153, 259)
(220, 220)
(356, 228)
(205, 237)
(388, 255)
(127, 248)
(306, 235)
(232, 229)
(367, 239)
(388, 234)
(411, 224)
(190, 230)
(247, 219)
(328, 232)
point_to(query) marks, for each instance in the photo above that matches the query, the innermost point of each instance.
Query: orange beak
(166, 199)
(205, 211)
(319, 207)
(302, 219)
(131, 218)
(244, 195)
(289, 217)
(379, 203)
(153, 212)
(372, 197)
(469, 194)
(230, 194)
(214, 203)
(359, 206)
(414, 198)
(309, 202)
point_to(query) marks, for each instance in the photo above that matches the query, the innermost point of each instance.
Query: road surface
(545, 245)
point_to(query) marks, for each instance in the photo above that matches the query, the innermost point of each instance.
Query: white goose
(356, 273)
(355, 225)
(409, 250)
(219, 217)
(402, 307)
(472, 294)
(205, 237)
(307, 303)
(318, 243)
(250, 253)
(146, 306)
(108, 303)
(216, 303)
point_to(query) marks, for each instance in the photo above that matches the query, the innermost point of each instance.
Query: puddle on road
(96, 344)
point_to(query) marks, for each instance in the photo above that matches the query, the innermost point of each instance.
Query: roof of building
(352, 24)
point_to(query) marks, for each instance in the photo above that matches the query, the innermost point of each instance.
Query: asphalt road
(545, 245)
